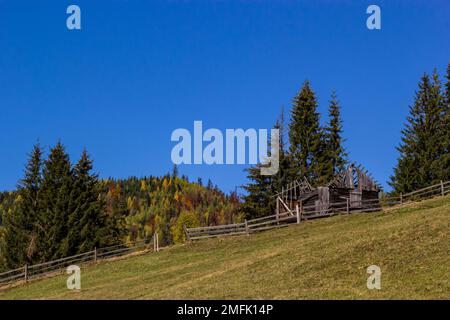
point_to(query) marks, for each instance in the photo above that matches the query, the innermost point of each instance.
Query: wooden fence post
(25, 272)
(401, 198)
(278, 210)
(442, 188)
(95, 254)
(157, 242)
(188, 238)
(246, 227)
(154, 242)
(298, 213)
(348, 205)
(301, 210)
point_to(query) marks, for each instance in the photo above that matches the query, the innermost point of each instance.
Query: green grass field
(318, 259)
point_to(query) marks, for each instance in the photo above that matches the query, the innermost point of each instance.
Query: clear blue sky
(140, 69)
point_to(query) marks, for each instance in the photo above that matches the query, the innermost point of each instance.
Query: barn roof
(352, 177)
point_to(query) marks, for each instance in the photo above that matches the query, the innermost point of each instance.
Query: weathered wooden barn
(353, 189)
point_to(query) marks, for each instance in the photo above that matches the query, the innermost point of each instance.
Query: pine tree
(175, 171)
(422, 145)
(54, 204)
(447, 87)
(336, 155)
(282, 177)
(437, 132)
(445, 161)
(321, 164)
(406, 177)
(258, 201)
(19, 245)
(306, 137)
(87, 220)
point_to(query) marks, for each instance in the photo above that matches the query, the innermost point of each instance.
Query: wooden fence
(290, 215)
(31, 272)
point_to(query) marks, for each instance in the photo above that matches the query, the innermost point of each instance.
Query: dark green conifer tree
(447, 87)
(20, 225)
(282, 177)
(306, 137)
(56, 186)
(437, 132)
(445, 161)
(210, 185)
(259, 199)
(175, 171)
(422, 145)
(336, 155)
(87, 218)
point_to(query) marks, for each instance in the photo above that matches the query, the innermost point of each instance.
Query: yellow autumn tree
(165, 184)
(144, 186)
(187, 218)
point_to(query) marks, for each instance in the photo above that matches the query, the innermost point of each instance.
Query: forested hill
(163, 204)
(159, 204)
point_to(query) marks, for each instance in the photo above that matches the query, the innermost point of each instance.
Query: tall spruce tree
(282, 177)
(422, 143)
(438, 131)
(406, 176)
(306, 137)
(447, 88)
(336, 155)
(20, 239)
(445, 162)
(259, 200)
(87, 220)
(57, 183)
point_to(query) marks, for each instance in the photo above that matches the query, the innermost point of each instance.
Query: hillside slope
(318, 259)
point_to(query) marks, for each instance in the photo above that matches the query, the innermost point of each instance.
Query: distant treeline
(60, 209)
